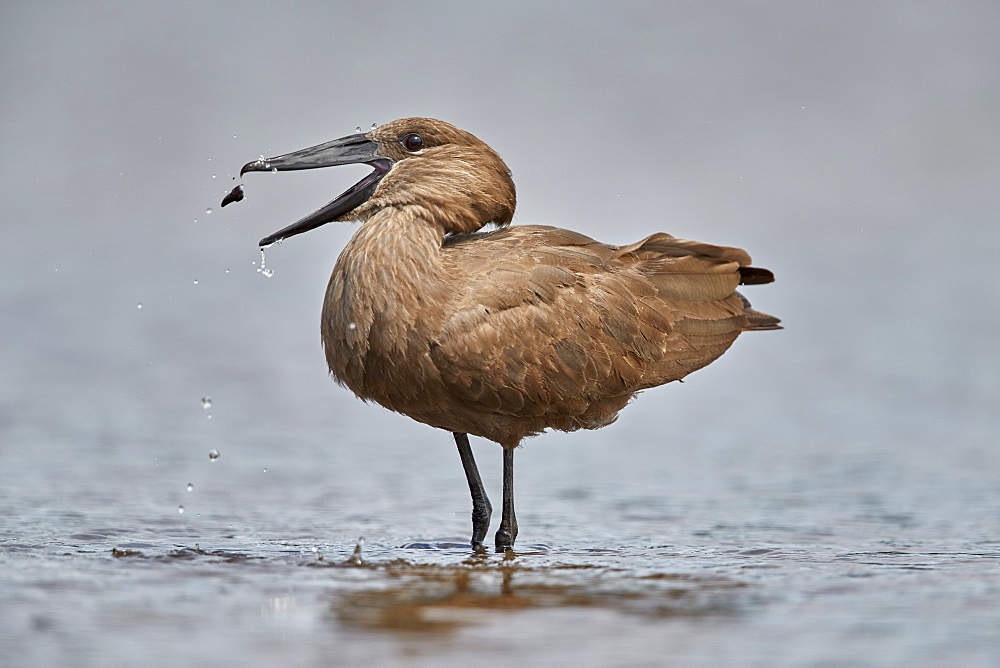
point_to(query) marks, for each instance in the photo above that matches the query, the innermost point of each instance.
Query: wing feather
(553, 323)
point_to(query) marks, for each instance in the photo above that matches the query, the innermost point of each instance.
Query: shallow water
(823, 495)
(762, 588)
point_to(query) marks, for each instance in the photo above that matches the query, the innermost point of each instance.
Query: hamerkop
(504, 333)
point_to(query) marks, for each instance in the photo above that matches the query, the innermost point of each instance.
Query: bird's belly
(406, 381)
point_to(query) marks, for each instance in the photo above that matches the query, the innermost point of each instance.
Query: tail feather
(758, 320)
(761, 321)
(755, 276)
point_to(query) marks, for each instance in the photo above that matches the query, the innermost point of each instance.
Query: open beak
(349, 150)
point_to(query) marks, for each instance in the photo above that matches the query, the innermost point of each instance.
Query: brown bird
(506, 333)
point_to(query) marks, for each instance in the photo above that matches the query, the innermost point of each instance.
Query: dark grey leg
(507, 532)
(481, 508)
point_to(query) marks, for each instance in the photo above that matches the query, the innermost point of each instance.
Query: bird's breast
(382, 312)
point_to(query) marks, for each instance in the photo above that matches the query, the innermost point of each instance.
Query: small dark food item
(235, 195)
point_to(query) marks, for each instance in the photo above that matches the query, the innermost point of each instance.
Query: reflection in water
(441, 599)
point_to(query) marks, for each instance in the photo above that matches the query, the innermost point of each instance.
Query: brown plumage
(504, 333)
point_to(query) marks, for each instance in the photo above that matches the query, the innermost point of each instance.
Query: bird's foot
(505, 538)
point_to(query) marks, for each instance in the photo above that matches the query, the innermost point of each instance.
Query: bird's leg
(508, 523)
(481, 508)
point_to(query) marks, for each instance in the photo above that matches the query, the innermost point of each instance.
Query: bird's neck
(394, 247)
(390, 278)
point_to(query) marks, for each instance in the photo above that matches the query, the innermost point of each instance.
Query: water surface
(823, 495)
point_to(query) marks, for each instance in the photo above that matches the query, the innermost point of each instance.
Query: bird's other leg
(481, 508)
(507, 532)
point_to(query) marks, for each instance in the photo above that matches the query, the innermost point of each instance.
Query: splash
(357, 559)
(262, 269)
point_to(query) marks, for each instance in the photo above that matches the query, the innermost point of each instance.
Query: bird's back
(551, 329)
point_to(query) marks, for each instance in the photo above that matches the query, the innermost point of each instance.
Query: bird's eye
(413, 142)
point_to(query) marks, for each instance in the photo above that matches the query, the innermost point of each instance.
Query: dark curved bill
(352, 149)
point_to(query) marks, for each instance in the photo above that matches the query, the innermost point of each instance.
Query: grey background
(852, 147)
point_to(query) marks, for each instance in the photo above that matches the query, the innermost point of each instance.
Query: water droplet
(267, 165)
(357, 129)
(227, 271)
(274, 170)
(196, 281)
(265, 469)
(190, 487)
(351, 327)
(213, 176)
(209, 416)
(139, 306)
(213, 455)
(196, 220)
(208, 211)
(206, 402)
(262, 269)
(180, 509)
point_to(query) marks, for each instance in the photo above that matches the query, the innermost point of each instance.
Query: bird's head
(460, 183)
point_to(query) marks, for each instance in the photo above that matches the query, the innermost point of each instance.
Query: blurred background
(851, 147)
